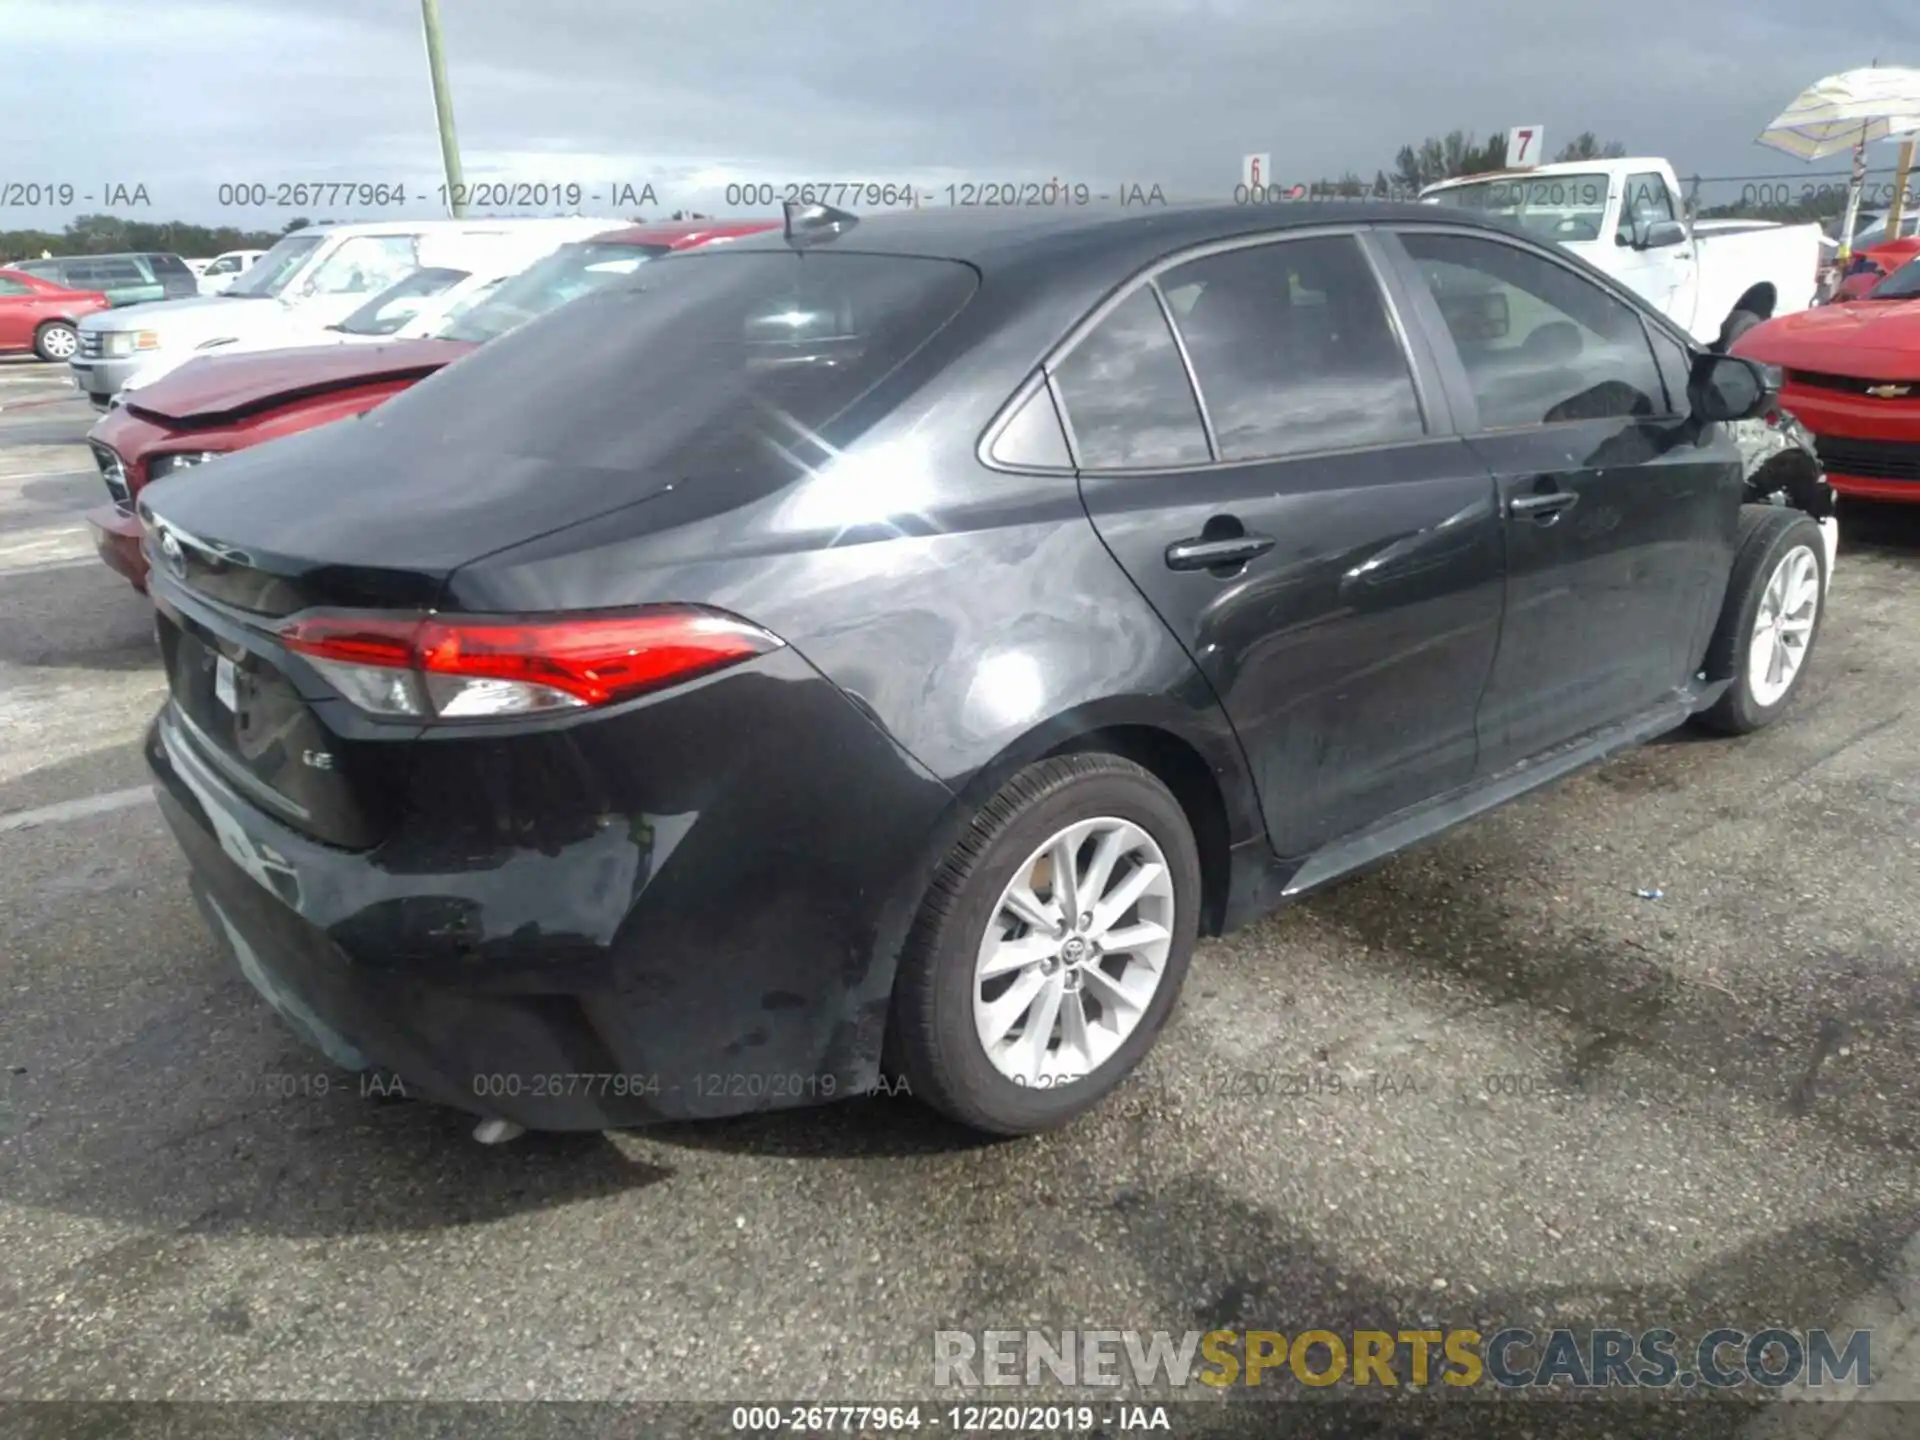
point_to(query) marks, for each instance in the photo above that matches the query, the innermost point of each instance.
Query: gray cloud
(185, 95)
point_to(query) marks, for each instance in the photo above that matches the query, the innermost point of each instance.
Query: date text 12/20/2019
(965, 195)
(474, 194)
(953, 1419)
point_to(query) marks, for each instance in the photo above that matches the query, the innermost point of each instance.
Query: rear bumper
(652, 966)
(116, 535)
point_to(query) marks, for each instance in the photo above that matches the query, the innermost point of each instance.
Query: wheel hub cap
(1074, 953)
(1783, 626)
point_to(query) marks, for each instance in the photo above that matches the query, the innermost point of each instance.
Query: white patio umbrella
(1848, 111)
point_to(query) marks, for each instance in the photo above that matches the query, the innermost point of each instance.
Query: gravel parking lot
(1559, 1103)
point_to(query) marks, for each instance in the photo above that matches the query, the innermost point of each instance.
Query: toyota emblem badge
(171, 552)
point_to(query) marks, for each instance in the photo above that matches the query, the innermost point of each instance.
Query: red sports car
(1874, 264)
(1852, 377)
(217, 404)
(39, 316)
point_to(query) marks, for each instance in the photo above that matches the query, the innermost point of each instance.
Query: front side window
(226, 265)
(275, 270)
(365, 265)
(1293, 350)
(1644, 201)
(1540, 345)
(1127, 395)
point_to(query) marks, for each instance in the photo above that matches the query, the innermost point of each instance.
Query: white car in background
(312, 277)
(456, 273)
(1626, 218)
(221, 271)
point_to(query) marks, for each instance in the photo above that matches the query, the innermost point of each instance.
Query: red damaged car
(217, 404)
(1852, 377)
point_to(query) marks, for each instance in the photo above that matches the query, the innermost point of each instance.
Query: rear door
(1667, 276)
(1617, 521)
(1303, 519)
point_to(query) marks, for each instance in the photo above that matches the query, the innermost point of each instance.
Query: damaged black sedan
(880, 649)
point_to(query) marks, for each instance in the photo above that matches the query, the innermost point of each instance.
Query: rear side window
(1293, 349)
(734, 364)
(169, 265)
(1126, 393)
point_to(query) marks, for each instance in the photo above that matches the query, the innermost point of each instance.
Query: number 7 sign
(1524, 144)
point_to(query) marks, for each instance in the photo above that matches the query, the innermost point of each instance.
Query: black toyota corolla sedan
(876, 651)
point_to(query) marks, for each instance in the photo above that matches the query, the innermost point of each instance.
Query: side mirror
(1729, 387)
(1662, 233)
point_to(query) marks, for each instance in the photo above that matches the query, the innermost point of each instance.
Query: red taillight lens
(460, 668)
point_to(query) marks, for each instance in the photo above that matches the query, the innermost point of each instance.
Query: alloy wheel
(1074, 952)
(1783, 625)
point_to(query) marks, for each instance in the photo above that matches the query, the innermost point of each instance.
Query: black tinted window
(1540, 344)
(1127, 395)
(733, 364)
(1676, 367)
(1293, 349)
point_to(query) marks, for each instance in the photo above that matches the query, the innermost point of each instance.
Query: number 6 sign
(1524, 144)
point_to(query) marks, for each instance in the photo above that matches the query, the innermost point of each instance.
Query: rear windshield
(169, 265)
(697, 364)
(566, 274)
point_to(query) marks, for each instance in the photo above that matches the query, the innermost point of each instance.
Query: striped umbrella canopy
(1853, 108)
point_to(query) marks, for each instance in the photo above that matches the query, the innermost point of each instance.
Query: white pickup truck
(1626, 217)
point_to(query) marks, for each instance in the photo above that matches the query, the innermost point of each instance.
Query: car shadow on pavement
(876, 1127)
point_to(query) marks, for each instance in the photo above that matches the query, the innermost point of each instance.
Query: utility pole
(443, 109)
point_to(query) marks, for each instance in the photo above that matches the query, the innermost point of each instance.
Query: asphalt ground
(1559, 1103)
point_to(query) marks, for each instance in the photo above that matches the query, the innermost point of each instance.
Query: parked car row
(1105, 582)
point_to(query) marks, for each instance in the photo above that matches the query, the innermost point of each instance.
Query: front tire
(1050, 948)
(1769, 620)
(56, 340)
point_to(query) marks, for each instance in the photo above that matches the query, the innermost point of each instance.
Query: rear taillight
(465, 668)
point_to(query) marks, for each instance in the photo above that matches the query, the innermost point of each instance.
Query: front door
(1308, 526)
(1612, 508)
(1666, 276)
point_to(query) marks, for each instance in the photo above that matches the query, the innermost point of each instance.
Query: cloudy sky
(183, 95)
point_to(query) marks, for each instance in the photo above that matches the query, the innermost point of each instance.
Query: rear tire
(1770, 619)
(1074, 1010)
(56, 340)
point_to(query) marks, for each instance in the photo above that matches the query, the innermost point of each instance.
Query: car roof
(114, 255)
(990, 237)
